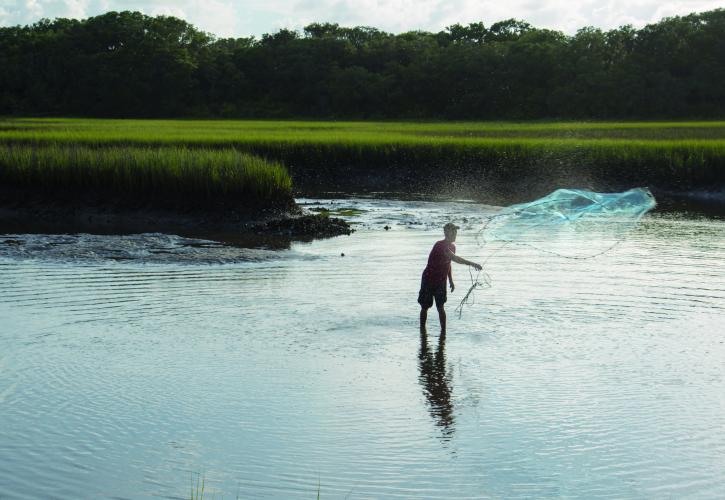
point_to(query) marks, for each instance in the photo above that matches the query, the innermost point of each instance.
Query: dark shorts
(428, 292)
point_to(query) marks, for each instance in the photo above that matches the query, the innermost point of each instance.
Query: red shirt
(436, 272)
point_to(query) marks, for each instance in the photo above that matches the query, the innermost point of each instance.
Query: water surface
(129, 364)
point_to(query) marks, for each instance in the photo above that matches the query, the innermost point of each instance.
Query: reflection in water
(436, 383)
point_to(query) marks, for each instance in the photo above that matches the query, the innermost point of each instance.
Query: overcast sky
(254, 17)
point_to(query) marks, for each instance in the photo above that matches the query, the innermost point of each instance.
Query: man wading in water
(433, 283)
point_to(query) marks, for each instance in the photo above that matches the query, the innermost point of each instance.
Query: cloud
(434, 15)
(33, 8)
(30, 11)
(247, 17)
(215, 16)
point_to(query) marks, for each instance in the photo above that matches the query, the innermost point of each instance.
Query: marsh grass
(650, 152)
(160, 173)
(197, 492)
(337, 212)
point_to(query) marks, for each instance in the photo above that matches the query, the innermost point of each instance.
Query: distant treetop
(131, 64)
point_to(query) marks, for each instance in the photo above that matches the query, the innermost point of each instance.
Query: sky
(235, 18)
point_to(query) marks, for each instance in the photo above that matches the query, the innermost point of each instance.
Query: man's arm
(460, 260)
(450, 278)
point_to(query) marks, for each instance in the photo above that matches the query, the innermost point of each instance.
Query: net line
(482, 279)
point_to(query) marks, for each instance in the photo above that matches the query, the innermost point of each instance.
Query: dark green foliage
(131, 65)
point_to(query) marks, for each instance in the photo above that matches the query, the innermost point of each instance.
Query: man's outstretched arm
(460, 260)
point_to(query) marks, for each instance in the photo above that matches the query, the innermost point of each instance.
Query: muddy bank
(22, 211)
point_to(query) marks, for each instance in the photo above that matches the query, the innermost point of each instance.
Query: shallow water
(130, 364)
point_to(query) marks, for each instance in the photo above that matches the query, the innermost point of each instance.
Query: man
(433, 282)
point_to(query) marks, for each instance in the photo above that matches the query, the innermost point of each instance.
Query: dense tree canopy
(130, 64)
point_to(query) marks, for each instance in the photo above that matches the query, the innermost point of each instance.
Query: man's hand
(453, 287)
(477, 267)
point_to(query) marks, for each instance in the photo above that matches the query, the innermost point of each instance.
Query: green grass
(338, 212)
(643, 152)
(151, 173)
(197, 493)
(224, 133)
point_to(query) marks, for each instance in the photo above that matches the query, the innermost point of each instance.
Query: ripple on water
(151, 248)
(274, 372)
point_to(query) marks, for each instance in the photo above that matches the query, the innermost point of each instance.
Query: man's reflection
(436, 383)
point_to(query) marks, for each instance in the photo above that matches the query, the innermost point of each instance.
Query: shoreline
(274, 226)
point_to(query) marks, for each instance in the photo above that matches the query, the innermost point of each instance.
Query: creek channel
(132, 365)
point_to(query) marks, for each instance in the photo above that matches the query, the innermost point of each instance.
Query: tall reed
(154, 174)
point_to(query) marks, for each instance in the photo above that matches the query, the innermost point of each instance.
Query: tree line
(127, 64)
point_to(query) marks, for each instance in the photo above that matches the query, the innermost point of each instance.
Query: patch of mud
(152, 248)
(385, 214)
(304, 227)
(26, 212)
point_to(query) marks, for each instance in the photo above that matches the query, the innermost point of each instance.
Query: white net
(568, 223)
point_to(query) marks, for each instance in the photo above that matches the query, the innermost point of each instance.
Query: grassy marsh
(225, 132)
(151, 173)
(670, 154)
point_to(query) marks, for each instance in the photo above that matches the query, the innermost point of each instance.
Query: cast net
(568, 223)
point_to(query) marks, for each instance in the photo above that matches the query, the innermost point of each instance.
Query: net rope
(564, 209)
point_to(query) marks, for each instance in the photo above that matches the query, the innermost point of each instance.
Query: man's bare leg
(442, 318)
(423, 318)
